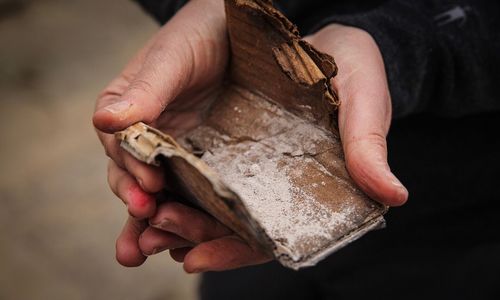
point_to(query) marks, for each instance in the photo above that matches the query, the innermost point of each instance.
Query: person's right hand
(167, 84)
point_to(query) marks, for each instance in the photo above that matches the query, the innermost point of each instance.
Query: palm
(366, 102)
(186, 111)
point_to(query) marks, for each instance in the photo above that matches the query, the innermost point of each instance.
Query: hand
(167, 85)
(197, 239)
(365, 110)
(364, 120)
(172, 100)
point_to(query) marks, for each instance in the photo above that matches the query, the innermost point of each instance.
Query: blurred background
(58, 220)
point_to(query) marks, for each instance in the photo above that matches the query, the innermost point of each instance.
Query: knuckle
(141, 85)
(376, 138)
(150, 182)
(372, 139)
(144, 86)
(113, 154)
(112, 183)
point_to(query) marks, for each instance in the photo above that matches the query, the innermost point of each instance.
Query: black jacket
(441, 56)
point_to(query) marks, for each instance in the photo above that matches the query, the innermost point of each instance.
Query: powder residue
(263, 174)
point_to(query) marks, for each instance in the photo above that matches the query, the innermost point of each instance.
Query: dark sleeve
(441, 56)
(161, 10)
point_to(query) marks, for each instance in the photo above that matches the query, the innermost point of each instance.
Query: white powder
(263, 178)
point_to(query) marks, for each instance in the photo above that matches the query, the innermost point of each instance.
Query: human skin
(169, 82)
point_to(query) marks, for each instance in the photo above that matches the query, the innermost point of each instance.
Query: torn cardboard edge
(273, 90)
(150, 145)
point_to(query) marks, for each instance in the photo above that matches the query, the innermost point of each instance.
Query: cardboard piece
(269, 161)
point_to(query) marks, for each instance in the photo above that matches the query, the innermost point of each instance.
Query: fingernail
(403, 194)
(140, 182)
(150, 254)
(198, 263)
(166, 224)
(195, 269)
(163, 224)
(155, 251)
(118, 107)
(397, 183)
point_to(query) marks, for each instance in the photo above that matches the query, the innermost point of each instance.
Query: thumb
(364, 120)
(365, 112)
(145, 88)
(366, 159)
(195, 38)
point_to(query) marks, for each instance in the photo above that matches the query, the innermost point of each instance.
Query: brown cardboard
(269, 162)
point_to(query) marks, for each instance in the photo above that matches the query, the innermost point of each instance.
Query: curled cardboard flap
(270, 164)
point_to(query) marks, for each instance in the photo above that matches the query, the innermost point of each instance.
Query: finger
(150, 178)
(111, 147)
(140, 204)
(128, 252)
(226, 253)
(188, 223)
(154, 241)
(179, 254)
